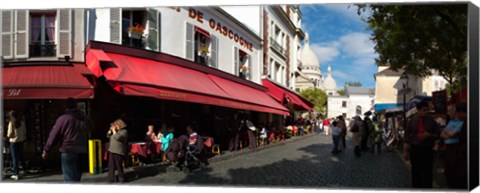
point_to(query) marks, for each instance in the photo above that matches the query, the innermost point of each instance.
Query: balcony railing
(37, 50)
(277, 46)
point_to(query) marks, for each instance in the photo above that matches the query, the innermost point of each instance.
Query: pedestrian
(72, 129)
(462, 168)
(236, 126)
(251, 135)
(356, 128)
(450, 135)
(343, 125)
(326, 126)
(376, 136)
(17, 135)
(420, 135)
(117, 149)
(336, 137)
(367, 128)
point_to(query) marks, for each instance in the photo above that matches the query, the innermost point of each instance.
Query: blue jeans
(72, 167)
(16, 149)
(336, 139)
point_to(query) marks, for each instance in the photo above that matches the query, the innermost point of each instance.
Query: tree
(422, 39)
(317, 97)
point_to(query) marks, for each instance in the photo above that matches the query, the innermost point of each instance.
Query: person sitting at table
(192, 137)
(162, 132)
(166, 139)
(150, 135)
(117, 149)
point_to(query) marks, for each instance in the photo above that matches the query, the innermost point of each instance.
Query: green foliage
(317, 97)
(420, 38)
(342, 92)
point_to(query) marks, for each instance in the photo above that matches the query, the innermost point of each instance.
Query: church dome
(329, 83)
(307, 56)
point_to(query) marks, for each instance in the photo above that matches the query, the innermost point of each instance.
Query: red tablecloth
(142, 149)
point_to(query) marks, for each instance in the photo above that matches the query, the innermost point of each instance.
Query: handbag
(354, 128)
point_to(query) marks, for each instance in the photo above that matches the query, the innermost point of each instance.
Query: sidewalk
(134, 172)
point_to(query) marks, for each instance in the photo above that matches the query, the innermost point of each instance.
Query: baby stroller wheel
(202, 165)
(186, 169)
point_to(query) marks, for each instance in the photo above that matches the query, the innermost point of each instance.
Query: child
(336, 137)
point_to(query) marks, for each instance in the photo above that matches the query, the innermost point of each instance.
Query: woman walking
(16, 134)
(356, 127)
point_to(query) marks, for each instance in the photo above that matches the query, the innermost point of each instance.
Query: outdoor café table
(141, 148)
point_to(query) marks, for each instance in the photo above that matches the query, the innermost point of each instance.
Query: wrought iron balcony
(277, 46)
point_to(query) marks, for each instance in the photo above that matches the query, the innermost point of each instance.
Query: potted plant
(243, 71)
(135, 32)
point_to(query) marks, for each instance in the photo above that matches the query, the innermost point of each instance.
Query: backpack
(355, 127)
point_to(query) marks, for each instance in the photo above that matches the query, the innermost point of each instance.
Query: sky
(339, 38)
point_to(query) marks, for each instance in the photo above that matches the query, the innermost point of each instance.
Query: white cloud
(339, 74)
(347, 10)
(357, 44)
(325, 53)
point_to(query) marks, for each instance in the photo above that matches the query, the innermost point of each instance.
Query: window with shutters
(202, 46)
(344, 103)
(244, 61)
(137, 20)
(42, 34)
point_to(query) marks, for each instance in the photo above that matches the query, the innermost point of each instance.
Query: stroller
(185, 157)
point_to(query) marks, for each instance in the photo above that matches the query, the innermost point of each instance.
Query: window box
(134, 35)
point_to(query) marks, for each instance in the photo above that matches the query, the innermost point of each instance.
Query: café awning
(45, 82)
(138, 76)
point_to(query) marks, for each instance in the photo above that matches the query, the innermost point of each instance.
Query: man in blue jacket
(72, 129)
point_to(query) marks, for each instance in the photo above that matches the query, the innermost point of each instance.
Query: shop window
(201, 46)
(242, 64)
(42, 36)
(133, 29)
(344, 103)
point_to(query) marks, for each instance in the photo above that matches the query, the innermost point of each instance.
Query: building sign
(219, 28)
(11, 93)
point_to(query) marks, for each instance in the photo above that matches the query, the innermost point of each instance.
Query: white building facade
(206, 35)
(357, 101)
(280, 29)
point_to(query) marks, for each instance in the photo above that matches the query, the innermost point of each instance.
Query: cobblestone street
(304, 163)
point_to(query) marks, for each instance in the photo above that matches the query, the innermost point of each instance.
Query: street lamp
(404, 79)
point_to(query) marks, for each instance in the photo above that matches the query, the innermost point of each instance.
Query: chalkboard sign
(440, 101)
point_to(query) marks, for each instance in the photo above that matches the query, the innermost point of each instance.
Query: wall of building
(335, 106)
(173, 35)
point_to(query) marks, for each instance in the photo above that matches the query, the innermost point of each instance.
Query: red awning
(143, 77)
(279, 93)
(44, 82)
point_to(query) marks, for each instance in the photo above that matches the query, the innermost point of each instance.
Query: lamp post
(404, 79)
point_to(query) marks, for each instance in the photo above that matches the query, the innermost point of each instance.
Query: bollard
(95, 156)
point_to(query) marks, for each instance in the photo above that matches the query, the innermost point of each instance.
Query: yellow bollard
(95, 156)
